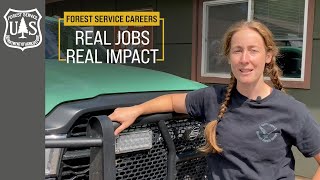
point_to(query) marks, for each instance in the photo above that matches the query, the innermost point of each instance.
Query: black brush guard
(101, 141)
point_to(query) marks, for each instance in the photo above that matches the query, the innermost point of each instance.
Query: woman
(252, 126)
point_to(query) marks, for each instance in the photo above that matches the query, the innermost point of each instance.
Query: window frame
(197, 43)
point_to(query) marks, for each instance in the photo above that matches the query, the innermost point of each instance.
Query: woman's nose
(244, 57)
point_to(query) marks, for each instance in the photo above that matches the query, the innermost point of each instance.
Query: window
(290, 21)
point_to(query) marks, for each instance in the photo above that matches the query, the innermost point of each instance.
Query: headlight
(133, 141)
(52, 157)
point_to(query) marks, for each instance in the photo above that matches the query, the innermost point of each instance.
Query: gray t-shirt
(256, 136)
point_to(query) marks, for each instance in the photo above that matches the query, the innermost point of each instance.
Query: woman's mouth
(246, 71)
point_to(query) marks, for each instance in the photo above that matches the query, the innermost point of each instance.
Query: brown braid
(211, 128)
(274, 72)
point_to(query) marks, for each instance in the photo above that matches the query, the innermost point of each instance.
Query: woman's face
(248, 56)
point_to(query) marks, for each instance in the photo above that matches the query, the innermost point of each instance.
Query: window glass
(217, 23)
(284, 18)
(286, 21)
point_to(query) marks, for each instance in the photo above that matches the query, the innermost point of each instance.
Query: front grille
(146, 164)
(149, 164)
(194, 169)
(75, 162)
(187, 134)
(76, 168)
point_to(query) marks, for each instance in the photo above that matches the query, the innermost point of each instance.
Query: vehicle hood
(68, 82)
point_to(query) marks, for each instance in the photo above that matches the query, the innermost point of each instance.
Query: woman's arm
(317, 174)
(166, 103)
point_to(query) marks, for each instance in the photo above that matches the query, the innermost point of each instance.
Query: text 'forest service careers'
(22, 29)
(131, 45)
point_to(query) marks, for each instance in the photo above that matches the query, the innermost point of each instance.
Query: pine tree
(23, 28)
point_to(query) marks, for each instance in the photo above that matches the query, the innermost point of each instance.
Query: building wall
(310, 97)
(178, 44)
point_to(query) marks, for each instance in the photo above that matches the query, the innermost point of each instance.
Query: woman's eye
(237, 51)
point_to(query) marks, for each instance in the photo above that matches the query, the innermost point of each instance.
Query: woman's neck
(252, 91)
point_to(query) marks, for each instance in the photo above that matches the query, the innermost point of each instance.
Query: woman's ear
(268, 57)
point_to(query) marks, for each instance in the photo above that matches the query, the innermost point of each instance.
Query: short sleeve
(308, 138)
(195, 102)
(204, 103)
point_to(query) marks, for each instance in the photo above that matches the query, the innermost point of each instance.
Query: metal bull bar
(100, 138)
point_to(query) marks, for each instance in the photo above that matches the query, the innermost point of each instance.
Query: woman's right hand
(165, 103)
(125, 116)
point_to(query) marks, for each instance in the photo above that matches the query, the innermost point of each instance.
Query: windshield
(67, 40)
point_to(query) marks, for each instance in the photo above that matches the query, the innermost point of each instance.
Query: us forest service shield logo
(22, 29)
